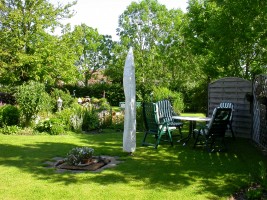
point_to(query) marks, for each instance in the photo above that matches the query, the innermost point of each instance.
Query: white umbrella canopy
(129, 133)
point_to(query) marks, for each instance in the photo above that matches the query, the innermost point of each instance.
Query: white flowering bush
(77, 155)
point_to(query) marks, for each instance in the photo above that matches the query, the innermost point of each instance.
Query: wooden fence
(233, 90)
(259, 110)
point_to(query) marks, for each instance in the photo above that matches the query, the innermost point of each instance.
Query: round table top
(192, 118)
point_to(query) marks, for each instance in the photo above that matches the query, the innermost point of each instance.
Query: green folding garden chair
(154, 127)
(213, 134)
(165, 115)
(229, 105)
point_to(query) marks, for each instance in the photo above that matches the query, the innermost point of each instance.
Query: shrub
(198, 99)
(105, 118)
(103, 104)
(9, 115)
(90, 120)
(103, 110)
(117, 120)
(52, 126)
(27, 131)
(30, 97)
(64, 95)
(258, 183)
(86, 117)
(176, 98)
(76, 119)
(91, 115)
(177, 104)
(254, 193)
(46, 103)
(57, 128)
(113, 92)
(77, 155)
(10, 130)
(65, 117)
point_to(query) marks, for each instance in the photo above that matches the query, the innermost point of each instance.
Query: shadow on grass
(169, 168)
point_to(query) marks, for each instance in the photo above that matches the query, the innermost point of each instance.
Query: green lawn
(178, 172)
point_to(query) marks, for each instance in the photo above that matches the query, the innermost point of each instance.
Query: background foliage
(179, 51)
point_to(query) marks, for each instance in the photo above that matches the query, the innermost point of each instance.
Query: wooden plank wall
(233, 89)
(260, 111)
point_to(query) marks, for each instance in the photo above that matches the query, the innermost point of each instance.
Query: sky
(103, 15)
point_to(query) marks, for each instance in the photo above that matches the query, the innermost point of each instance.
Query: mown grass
(178, 172)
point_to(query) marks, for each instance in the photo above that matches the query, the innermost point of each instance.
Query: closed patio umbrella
(129, 133)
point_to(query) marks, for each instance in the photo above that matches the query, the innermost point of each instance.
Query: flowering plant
(77, 155)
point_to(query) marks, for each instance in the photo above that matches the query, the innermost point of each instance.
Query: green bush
(64, 95)
(103, 104)
(65, 117)
(117, 120)
(113, 92)
(254, 193)
(90, 120)
(44, 126)
(51, 126)
(258, 183)
(30, 97)
(76, 119)
(105, 118)
(199, 99)
(57, 128)
(102, 109)
(176, 98)
(9, 115)
(10, 130)
(177, 104)
(27, 131)
(47, 103)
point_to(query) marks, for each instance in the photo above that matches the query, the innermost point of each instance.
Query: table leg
(192, 126)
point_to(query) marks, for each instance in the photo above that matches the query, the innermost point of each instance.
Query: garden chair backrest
(228, 105)
(151, 117)
(219, 121)
(165, 110)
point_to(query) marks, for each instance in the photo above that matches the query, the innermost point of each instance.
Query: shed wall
(234, 90)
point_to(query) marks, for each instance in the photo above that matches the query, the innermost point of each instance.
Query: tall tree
(231, 35)
(96, 50)
(27, 50)
(176, 55)
(115, 70)
(142, 26)
(162, 56)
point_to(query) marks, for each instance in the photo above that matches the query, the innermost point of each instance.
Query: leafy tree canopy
(231, 35)
(27, 50)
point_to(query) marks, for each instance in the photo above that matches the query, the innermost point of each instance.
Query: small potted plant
(79, 155)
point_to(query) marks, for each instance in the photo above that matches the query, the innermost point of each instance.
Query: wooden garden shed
(234, 90)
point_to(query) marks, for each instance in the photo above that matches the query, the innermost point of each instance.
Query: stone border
(114, 160)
